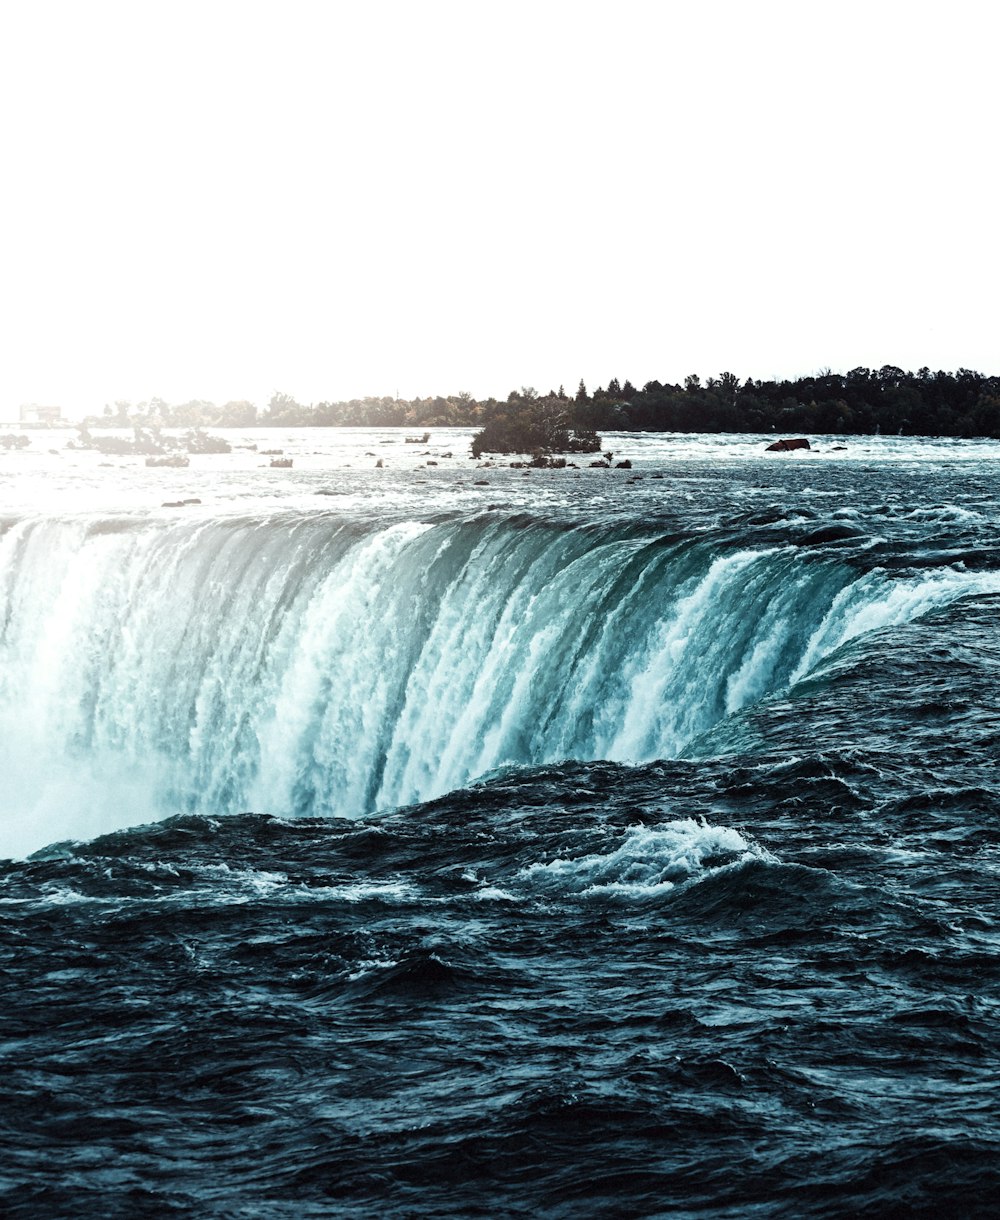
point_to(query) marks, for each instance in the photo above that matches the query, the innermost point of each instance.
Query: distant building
(44, 417)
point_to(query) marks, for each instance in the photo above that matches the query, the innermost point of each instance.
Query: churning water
(448, 840)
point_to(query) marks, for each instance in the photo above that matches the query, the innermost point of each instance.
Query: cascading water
(301, 664)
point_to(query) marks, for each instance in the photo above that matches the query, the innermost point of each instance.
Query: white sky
(220, 199)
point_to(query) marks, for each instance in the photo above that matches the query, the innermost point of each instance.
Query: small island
(160, 450)
(527, 423)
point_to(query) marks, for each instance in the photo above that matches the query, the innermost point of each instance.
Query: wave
(649, 863)
(304, 664)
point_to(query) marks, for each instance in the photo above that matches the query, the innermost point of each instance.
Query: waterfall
(299, 664)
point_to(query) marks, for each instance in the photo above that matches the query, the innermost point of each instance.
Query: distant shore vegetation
(862, 401)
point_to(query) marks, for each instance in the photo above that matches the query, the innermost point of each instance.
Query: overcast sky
(220, 199)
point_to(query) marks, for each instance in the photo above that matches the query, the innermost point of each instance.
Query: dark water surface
(668, 886)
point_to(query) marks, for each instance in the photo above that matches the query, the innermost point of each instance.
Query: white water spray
(299, 665)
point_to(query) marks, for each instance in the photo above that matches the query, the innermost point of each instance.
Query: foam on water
(649, 862)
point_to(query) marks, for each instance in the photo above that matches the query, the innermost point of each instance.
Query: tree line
(862, 401)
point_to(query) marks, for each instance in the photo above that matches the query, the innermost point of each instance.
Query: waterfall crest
(302, 665)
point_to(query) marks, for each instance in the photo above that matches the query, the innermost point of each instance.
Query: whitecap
(649, 861)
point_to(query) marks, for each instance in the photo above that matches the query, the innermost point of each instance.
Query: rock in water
(782, 446)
